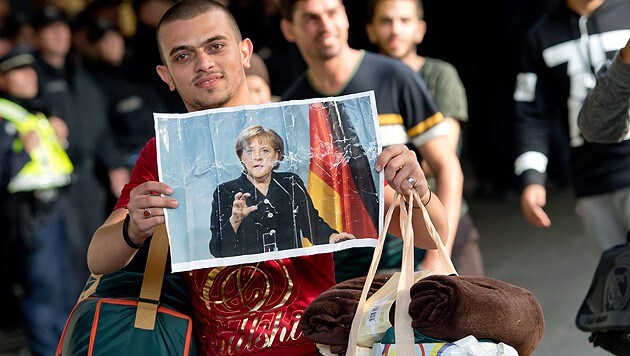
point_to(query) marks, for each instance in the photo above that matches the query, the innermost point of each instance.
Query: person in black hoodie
(35, 253)
(144, 55)
(130, 106)
(562, 52)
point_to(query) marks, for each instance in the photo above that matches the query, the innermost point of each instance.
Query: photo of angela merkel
(264, 210)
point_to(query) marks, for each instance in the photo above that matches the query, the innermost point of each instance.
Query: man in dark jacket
(563, 51)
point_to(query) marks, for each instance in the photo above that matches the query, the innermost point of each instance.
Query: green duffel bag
(131, 313)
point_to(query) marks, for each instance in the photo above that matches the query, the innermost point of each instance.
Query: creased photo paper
(278, 180)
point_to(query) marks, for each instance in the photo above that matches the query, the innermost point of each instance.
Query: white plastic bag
(468, 346)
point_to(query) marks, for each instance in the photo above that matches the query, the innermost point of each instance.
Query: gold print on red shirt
(247, 289)
(250, 307)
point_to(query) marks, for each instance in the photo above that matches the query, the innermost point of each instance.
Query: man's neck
(244, 98)
(414, 61)
(54, 60)
(584, 7)
(332, 75)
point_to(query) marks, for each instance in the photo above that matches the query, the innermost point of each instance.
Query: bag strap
(152, 280)
(402, 319)
(402, 323)
(91, 289)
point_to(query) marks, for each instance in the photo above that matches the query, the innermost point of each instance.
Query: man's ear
(162, 71)
(422, 30)
(287, 30)
(247, 48)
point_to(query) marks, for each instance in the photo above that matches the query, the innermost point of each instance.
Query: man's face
(111, 48)
(395, 28)
(20, 82)
(55, 39)
(204, 61)
(319, 28)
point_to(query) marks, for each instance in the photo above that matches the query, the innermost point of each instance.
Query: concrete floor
(555, 264)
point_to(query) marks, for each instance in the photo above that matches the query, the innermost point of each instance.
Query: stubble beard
(217, 100)
(201, 104)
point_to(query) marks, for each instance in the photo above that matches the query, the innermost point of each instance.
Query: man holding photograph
(249, 308)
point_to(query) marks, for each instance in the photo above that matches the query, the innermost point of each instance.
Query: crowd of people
(84, 73)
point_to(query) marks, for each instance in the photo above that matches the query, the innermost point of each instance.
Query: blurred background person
(397, 28)
(36, 255)
(605, 115)
(257, 78)
(407, 113)
(130, 104)
(562, 52)
(71, 93)
(144, 55)
(259, 20)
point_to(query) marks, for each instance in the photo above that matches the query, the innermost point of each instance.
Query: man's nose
(327, 22)
(205, 61)
(396, 26)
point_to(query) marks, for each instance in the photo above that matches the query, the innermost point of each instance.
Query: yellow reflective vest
(49, 167)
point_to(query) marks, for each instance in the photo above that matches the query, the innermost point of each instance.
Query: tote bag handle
(402, 322)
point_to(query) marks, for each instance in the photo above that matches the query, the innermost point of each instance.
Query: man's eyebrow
(190, 47)
(319, 14)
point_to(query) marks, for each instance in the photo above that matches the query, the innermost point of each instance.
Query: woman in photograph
(264, 210)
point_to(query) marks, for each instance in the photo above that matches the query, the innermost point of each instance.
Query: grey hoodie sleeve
(605, 115)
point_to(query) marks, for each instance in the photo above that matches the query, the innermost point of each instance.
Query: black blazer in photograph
(284, 216)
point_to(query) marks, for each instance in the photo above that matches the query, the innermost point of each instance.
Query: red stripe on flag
(330, 165)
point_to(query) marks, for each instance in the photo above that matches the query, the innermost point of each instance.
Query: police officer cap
(48, 15)
(16, 58)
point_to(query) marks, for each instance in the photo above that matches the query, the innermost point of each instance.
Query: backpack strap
(152, 280)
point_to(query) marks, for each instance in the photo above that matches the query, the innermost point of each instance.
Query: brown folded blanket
(453, 307)
(327, 320)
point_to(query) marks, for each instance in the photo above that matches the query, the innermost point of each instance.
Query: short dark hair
(372, 9)
(188, 9)
(287, 7)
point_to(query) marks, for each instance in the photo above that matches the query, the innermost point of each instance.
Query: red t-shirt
(250, 309)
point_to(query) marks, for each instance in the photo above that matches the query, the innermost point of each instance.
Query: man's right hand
(533, 199)
(146, 207)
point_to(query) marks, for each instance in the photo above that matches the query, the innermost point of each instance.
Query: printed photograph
(271, 181)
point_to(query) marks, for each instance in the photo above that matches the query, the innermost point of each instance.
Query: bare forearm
(438, 218)
(108, 251)
(450, 181)
(448, 173)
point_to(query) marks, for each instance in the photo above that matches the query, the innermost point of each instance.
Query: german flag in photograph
(340, 178)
